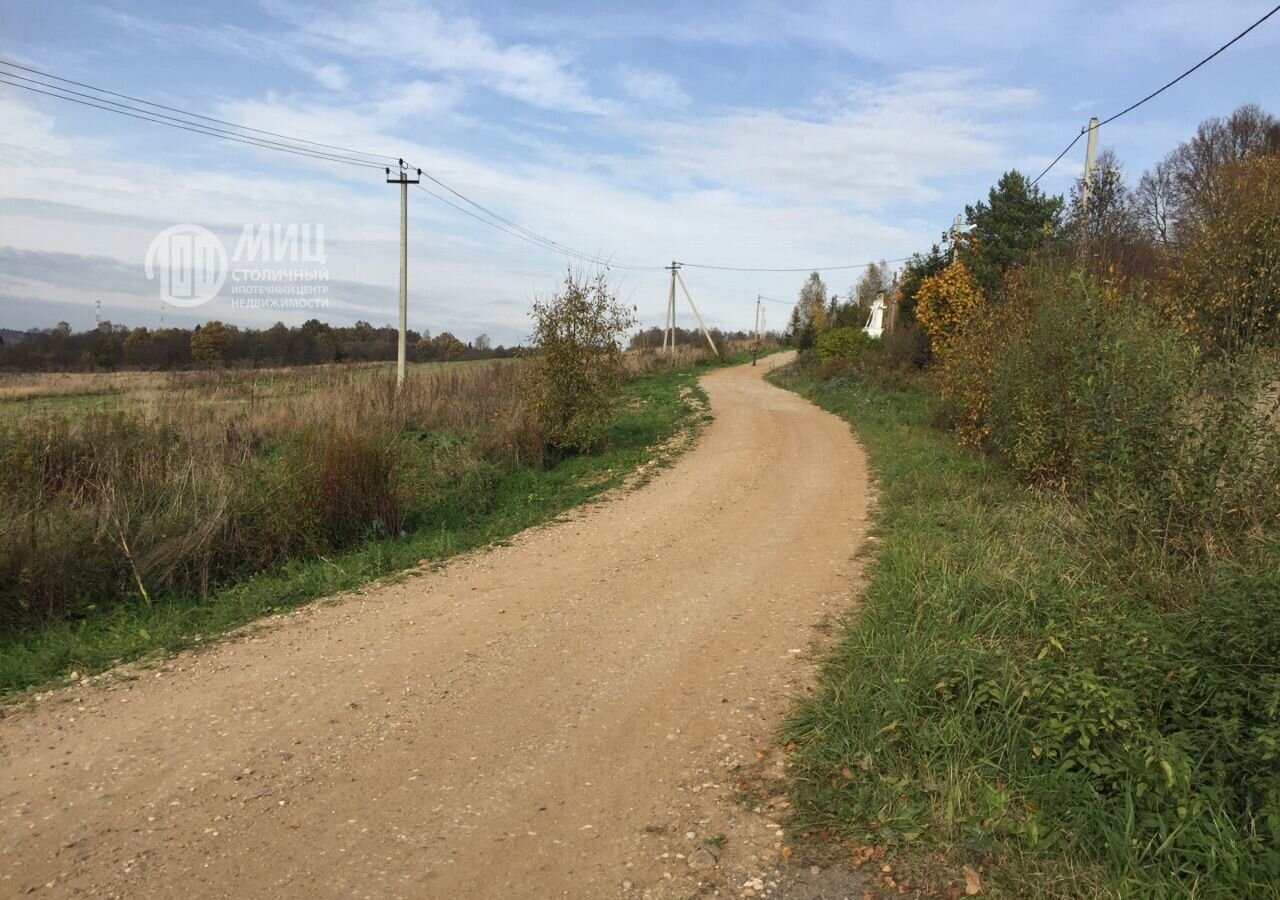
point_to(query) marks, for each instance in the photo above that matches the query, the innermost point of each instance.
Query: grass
(999, 696)
(654, 407)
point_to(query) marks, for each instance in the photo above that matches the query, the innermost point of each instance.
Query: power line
(299, 146)
(557, 248)
(1058, 158)
(866, 265)
(1161, 90)
(1158, 91)
(347, 156)
(191, 127)
(531, 235)
(184, 112)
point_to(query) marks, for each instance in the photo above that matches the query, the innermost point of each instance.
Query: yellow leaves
(946, 301)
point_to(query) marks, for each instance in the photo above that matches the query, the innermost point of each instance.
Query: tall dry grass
(195, 478)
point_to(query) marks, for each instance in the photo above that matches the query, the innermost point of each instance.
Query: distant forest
(110, 346)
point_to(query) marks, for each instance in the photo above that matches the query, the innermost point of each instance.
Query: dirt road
(586, 712)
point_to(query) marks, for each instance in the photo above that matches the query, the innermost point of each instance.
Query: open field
(82, 391)
(179, 513)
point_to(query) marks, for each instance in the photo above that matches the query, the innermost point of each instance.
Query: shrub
(578, 371)
(845, 343)
(1090, 393)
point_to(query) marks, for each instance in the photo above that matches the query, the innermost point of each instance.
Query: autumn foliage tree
(1225, 286)
(945, 301)
(209, 342)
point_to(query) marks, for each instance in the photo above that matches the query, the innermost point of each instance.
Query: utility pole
(1090, 157)
(755, 348)
(669, 332)
(402, 178)
(675, 272)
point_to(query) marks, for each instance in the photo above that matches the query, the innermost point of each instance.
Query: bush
(1090, 394)
(845, 343)
(1177, 457)
(578, 371)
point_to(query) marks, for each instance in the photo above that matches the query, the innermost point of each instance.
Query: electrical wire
(865, 265)
(1128, 109)
(191, 127)
(1057, 159)
(1157, 92)
(184, 112)
(543, 239)
(347, 156)
(557, 248)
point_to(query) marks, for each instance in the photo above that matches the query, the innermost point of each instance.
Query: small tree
(446, 346)
(812, 312)
(1225, 287)
(945, 302)
(578, 370)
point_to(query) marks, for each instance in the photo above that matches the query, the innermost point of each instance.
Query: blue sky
(757, 134)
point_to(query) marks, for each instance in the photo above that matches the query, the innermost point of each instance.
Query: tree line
(1196, 238)
(110, 346)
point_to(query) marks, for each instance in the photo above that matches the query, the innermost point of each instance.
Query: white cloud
(869, 147)
(649, 86)
(331, 76)
(416, 34)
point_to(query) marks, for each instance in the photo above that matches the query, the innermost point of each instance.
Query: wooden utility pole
(402, 178)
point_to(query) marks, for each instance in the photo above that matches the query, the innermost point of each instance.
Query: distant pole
(955, 235)
(755, 347)
(402, 178)
(1090, 158)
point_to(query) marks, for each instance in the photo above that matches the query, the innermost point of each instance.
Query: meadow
(140, 511)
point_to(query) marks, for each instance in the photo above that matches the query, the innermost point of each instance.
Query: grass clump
(1003, 692)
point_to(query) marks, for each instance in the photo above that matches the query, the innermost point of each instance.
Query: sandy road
(568, 715)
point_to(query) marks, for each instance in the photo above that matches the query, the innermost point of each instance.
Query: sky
(756, 134)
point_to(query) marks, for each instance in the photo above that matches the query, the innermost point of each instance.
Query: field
(144, 510)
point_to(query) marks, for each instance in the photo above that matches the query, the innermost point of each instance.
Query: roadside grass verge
(1001, 696)
(491, 507)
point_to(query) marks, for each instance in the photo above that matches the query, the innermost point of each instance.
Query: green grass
(653, 408)
(997, 694)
